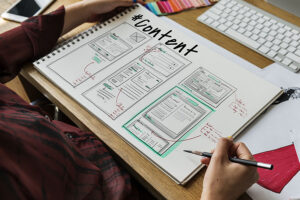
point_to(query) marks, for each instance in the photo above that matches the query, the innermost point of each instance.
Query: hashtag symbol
(136, 17)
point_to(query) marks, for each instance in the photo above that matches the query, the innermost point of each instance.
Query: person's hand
(225, 179)
(93, 10)
(98, 8)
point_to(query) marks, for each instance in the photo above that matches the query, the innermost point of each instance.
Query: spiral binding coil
(72, 41)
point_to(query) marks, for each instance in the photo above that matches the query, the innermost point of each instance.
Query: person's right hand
(225, 179)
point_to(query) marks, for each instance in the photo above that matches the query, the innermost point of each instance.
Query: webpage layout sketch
(167, 120)
(102, 51)
(158, 90)
(125, 87)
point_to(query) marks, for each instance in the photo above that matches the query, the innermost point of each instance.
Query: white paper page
(142, 77)
(273, 129)
(281, 77)
(295, 135)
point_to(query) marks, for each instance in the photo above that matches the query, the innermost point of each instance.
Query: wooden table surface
(149, 175)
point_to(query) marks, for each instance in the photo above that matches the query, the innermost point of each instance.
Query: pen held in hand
(236, 160)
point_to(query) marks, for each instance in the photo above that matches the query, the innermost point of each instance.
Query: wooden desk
(148, 174)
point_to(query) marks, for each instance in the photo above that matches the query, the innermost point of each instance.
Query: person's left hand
(100, 10)
(93, 10)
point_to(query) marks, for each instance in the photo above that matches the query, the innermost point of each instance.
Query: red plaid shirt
(40, 158)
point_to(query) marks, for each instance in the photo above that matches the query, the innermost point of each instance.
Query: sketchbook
(156, 88)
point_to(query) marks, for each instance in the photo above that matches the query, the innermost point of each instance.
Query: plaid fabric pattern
(40, 158)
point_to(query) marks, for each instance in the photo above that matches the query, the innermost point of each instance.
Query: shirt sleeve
(33, 39)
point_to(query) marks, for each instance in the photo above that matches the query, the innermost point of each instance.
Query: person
(42, 158)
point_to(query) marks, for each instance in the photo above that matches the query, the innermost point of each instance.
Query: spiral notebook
(156, 88)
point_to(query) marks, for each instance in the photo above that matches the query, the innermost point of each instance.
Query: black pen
(236, 160)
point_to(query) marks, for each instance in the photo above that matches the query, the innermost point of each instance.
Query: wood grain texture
(146, 172)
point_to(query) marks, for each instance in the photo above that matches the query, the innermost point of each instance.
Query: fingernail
(229, 137)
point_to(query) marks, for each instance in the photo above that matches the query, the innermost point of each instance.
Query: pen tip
(188, 151)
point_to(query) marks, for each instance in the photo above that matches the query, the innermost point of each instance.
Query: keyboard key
(252, 23)
(262, 34)
(259, 26)
(233, 13)
(270, 38)
(291, 49)
(276, 41)
(222, 20)
(239, 16)
(248, 34)
(272, 53)
(217, 11)
(284, 45)
(283, 51)
(234, 27)
(275, 48)
(254, 17)
(261, 20)
(237, 21)
(267, 23)
(212, 15)
(278, 58)
(297, 52)
(296, 37)
(287, 40)
(224, 15)
(294, 43)
(266, 17)
(286, 61)
(241, 30)
(264, 49)
(273, 21)
(294, 67)
(256, 31)
(220, 6)
(280, 36)
(266, 29)
(274, 27)
(228, 23)
(287, 27)
(209, 20)
(288, 34)
(215, 24)
(242, 38)
(243, 24)
(261, 40)
(268, 44)
(281, 30)
(273, 33)
(254, 37)
(222, 27)
(293, 57)
(246, 19)
(280, 24)
(203, 17)
(249, 28)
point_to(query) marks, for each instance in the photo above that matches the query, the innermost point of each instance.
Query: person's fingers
(141, 2)
(205, 161)
(222, 149)
(124, 3)
(241, 151)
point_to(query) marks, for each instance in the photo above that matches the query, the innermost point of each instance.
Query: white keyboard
(266, 34)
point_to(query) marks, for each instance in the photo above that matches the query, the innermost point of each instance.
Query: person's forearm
(33, 39)
(75, 15)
